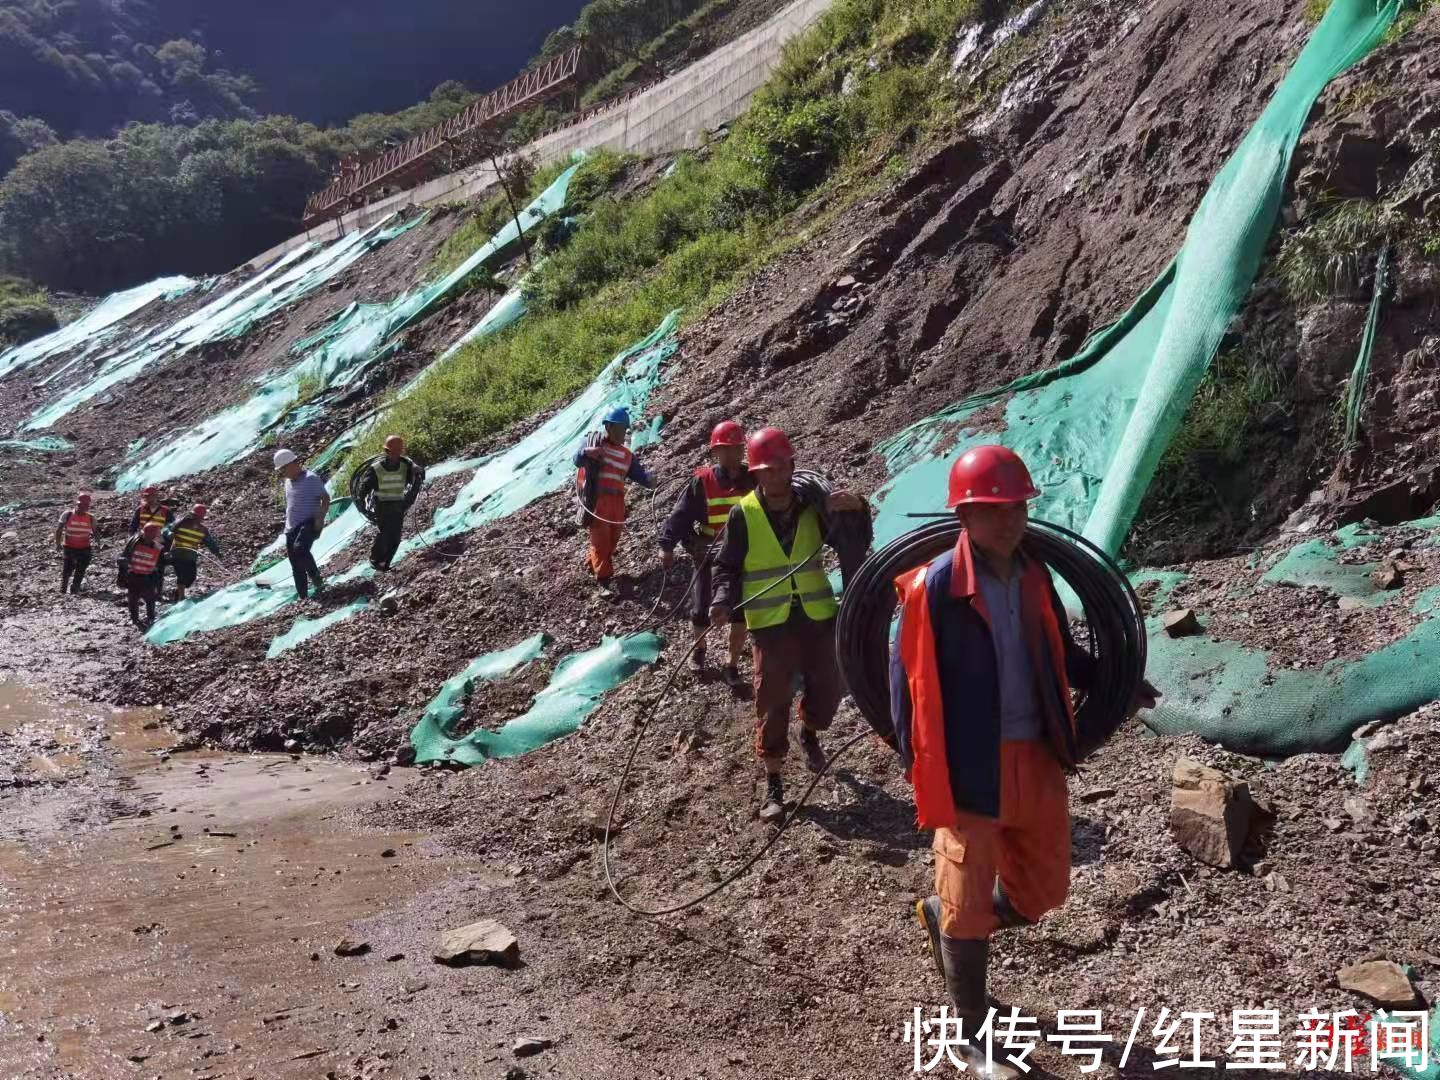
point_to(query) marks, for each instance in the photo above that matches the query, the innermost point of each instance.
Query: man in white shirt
(306, 503)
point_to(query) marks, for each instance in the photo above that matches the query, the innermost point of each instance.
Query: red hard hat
(394, 442)
(83, 497)
(990, 474)
(149, 491)
(727, 433)
(767, 448)
(199, 510)
(151, 530)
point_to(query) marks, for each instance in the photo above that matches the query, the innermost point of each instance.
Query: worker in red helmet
(73, 537)
(699, 516)
(182, 543)
(393, 482)
(771, 567)
(981, 675)
(151, 511)
(141, 560)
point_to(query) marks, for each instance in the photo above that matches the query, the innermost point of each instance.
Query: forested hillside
(146, 138)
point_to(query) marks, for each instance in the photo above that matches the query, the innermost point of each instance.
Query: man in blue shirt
(306, 503)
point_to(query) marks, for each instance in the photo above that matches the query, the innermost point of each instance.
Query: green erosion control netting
(1094, 428)
(503, 483)
(359, 337)
(575, 689)
(305, 629)
(230, 315)
(45, 444)
(96, 327)
(505, 313)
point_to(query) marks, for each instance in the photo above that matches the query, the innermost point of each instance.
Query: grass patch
(1413, 13)
(1207, 471)
(593, 177)
(859, 90)
(25, 312)
(1334, 252)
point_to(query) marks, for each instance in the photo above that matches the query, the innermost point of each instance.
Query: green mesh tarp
(1094, 428)
(332, 359)
(503, 483)
(305, 629)
(97, 326)
(575, 689)
(45, 444)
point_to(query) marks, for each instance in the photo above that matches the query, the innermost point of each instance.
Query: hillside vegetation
(851, 98)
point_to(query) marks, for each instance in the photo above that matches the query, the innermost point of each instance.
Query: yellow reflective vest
(767, 563)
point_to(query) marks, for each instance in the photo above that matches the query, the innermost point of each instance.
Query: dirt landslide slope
(995, 256)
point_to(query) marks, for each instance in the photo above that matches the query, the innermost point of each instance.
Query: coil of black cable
(365, 506)
(1114, 632)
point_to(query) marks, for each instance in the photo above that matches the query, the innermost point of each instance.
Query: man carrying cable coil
(771, 566)
(604, 464)
(699, 515)
(980, 678)
(182, 542)
(395, 482)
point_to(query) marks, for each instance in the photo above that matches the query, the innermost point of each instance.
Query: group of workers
(982, 670)
(157, 539)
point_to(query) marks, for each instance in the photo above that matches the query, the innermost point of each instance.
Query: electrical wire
(1114, 621)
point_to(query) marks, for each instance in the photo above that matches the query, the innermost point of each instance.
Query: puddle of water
(210, 900)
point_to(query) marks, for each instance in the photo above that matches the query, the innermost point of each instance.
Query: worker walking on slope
(182, 542)
(151, 511)
(72, 537)
(142, 573)
(605, 463)
(699, 515)
(395, 482)
(307, 501)
(980, 682)
(771, 561)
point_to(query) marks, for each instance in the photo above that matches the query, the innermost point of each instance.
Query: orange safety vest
(935, 806)
(78, 528)
(614, 465)
(720, 497)
(144, 557)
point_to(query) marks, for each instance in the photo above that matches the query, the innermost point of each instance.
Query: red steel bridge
(446, 146)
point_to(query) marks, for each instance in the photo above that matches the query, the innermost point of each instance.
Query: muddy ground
(998, 253)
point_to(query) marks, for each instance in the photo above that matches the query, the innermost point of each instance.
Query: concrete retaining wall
(674, 115)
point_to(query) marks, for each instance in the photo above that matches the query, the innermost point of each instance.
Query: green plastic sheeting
(575, 689)
(507, 311)
(305, 629)
(1360, 374)
(1094, 428)
(1313, 564)
(332, 359)
(98, 325)
(503, 483)
(45, 444)
(155, 344)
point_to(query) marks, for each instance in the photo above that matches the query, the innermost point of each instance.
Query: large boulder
(1382, 981)
(483, 942)
(1211, 816)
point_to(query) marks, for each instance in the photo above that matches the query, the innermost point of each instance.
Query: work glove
(720, 616)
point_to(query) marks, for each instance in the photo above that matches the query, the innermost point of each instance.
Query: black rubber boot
(1005, 911)
(773, 808)
(928, 912)
(965, 964)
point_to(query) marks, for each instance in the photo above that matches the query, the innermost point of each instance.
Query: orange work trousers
(605, 536)
(1027, 847)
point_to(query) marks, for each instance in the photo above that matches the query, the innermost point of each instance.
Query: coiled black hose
(1115, 623)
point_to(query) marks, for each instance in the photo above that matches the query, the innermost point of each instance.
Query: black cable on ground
(814, 490)
(1114, 621)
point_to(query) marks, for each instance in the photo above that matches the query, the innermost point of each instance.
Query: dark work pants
(700, 593)
(298, 542)
(186, 570)
(798, 647)
(141, 587)
(390, 527)
(73, 572)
